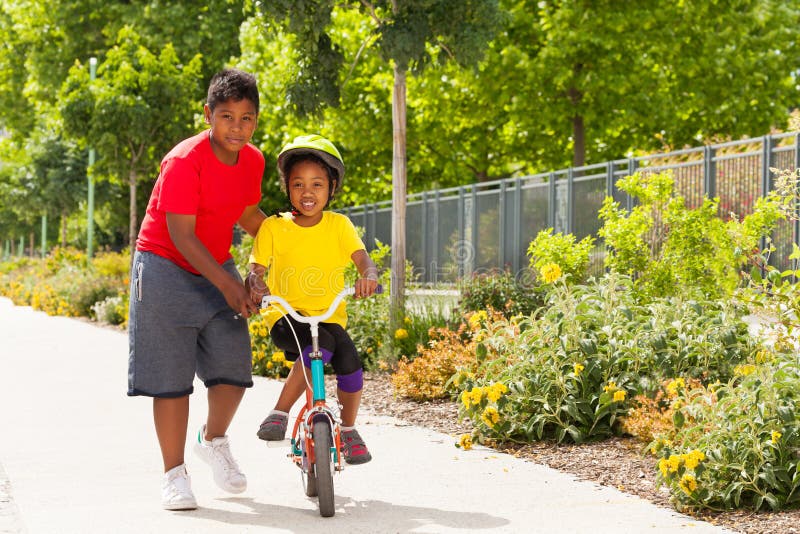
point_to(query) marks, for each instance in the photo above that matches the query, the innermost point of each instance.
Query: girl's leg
(171, 418)
(350, 403)
(223, 401)
(293, 388)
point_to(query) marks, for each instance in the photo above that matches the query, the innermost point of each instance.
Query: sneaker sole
(269, 436)
(358, 460)
(177, 507)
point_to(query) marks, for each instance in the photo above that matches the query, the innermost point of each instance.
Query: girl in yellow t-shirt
(304, 256)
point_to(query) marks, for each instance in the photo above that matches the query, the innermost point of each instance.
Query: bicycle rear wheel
(323, 468)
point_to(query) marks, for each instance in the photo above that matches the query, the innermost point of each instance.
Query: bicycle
(316, 435)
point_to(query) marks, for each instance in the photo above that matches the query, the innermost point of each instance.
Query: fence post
(424, 236)
(551, 201)
(709, 171)
(501, 219)
(797, 201)
(434, 263)
(517, 225)
(570, 199)
(475, 219)
(610, 179)
(632, 167)
(460, 252)
(766, 163)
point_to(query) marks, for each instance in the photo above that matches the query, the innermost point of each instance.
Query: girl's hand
(365, 287)
(256, 288)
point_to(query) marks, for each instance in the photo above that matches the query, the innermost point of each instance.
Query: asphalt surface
(79, 456)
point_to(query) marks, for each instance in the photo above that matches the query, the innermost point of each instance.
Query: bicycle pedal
(278, 444)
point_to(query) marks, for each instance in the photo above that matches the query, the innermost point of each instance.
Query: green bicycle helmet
(316, 145)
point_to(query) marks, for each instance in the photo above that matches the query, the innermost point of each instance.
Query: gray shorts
(180, 325)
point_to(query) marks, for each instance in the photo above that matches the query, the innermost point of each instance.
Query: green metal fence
(462, 230)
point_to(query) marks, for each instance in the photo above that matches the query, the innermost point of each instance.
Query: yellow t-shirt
(306, 266)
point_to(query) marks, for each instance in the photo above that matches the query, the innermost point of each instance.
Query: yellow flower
(550, 272)
(278, 357)
(490, 417)
(688, 484)
(401, 333)
(270, 365)
(577, 368)
(477, 318)
(407, 320)
(776, 436)
(762, 356)
(480, 336)
(744, 370)
(693, 458)
(289, 364)
(663, 466)
(675, 385)
(619, 395)
(495, 391)
(674, 462)
(610, 387)
(465, 442)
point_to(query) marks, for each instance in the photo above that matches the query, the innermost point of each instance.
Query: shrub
(744, 433)
(267, 359)
(111, 310)
(428, 375)
(671, 248)
(501, 291)
(559, 249)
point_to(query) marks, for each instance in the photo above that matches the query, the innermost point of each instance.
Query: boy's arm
(365, 286)
(181, 231)
(251, 219)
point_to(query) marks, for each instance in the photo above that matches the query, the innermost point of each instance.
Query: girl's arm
(181, 231)
(365, 286)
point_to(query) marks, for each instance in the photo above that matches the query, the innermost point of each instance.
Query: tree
(410, 34)
(139, 106)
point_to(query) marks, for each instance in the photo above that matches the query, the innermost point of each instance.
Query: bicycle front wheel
(323, 468)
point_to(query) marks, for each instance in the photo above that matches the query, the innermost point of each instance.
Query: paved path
(81, 457)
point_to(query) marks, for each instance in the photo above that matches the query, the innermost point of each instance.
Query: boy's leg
(171, 418)
(223, 401)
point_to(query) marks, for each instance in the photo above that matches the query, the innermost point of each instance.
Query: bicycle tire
(309, 479)
(323, 468)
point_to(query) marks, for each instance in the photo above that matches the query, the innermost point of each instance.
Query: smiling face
(232, 125)
(309, 190)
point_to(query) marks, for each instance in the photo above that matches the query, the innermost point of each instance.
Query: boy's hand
(365, 287)
(254, 284)
(238, 299)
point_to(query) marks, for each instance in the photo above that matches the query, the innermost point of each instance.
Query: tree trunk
(579, 138)
(32, 241)
(134, 220)
(578, 129)
(398, 283)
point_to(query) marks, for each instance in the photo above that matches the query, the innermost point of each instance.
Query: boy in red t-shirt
(188, 304)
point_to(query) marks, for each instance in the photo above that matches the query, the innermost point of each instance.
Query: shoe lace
(225, 457)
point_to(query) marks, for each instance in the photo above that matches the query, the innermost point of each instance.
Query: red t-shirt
(193, 181)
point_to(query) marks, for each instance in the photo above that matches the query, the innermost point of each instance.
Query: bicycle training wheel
(323, 468)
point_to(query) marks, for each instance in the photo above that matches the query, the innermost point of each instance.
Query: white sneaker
(217, 454)
(176, 490)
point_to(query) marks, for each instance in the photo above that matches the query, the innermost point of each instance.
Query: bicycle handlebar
(313, 319)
